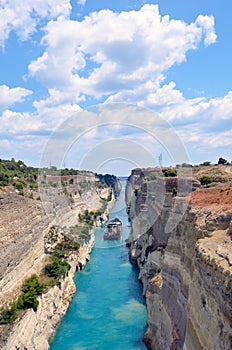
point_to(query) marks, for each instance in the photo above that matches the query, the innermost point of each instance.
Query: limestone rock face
(186, 272)
(35, 329)
(25, 226)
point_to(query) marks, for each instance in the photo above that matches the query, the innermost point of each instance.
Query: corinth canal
(108, 310)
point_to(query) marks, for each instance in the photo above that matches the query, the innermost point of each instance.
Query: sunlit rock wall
(186, 272)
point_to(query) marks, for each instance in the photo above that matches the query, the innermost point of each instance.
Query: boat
(113, 230)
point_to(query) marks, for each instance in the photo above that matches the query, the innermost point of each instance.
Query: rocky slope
(185, 265)
(24, 227)
(35, 329)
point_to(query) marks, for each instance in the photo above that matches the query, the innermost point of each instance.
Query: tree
(57, 269)
(4, 179)
(222, 161)
(206, 163)
(32, 283)
(31, 288)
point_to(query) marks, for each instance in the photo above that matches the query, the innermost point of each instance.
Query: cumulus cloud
(23, 16)
(121, 57)
(202, 140)
(10, 96)
(18, 123)
(189, 118)
(108, 52)
(43, 121)
(207, 26)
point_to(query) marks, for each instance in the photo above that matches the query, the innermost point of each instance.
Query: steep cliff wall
(35, 329)
(24, 227)
(186, 271)
(24, 222)
(111, 181)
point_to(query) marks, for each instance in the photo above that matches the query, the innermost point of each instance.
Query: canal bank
(108, 310)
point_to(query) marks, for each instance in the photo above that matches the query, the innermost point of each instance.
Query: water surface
(108, 310)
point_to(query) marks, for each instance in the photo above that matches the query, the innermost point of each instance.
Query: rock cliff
(35, 329)
(185, 266)
(25, 224)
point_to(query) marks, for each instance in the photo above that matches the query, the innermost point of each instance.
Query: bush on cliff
(87, 217)
(57, 269)
(11, 170)
(31, 288)
(170, 173)
(8, 315)
(205, 180)
(62, 249)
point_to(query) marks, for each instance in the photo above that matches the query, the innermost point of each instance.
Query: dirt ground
(212, 197)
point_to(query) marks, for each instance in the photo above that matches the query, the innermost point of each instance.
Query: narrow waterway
(108, 310)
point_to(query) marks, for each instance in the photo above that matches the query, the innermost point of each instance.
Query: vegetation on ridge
(16, 173)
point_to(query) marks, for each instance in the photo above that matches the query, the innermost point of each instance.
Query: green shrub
(19, 185)
(32, 284)
(205, 180)
(31, 288)
(8, 315)
(4, 179)
(27, 301)
(57, 269)
(170, 173)
(206, 163)
(64, 247)
(87, 217)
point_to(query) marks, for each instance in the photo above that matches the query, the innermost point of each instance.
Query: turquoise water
(108, 310)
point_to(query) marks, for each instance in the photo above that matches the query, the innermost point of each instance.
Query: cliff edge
(186, 270)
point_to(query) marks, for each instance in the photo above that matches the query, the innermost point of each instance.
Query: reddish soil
(212, 197)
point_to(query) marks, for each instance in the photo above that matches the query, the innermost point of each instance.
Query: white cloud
(109, 52)
(172, 105)
(17, 123)
(207, 25)
(10, 96)
(121, 55)
(203, 139)
(58, 97)
(23, 16)
(202, 125)
(43, 121)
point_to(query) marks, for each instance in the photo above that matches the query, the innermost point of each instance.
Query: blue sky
(58, 57)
